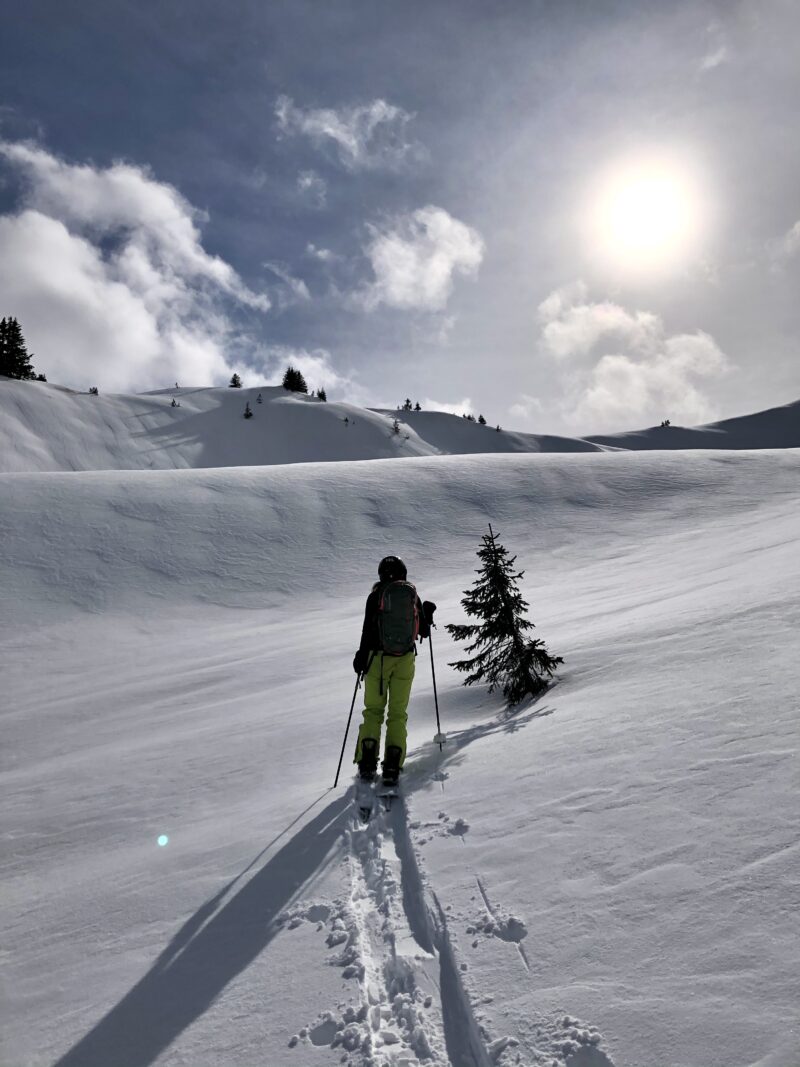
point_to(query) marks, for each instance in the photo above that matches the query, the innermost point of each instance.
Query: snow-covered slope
(774, 428)
(609, 875)
(50, 428)
(46, 428)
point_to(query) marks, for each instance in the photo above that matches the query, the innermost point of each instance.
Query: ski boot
(368, 763)
(391, 765)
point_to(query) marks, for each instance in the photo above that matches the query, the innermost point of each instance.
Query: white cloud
(106, 269)
(325, 255)
(717, 51)
(623, 366)
(147, 218)
(714, 58)
(312, 188)
(364, 136)
(315, 366)
(621, 387)
(782, 250)
(294, 290)
(526, 409)
(571, 326)
(789, 244)
(458, 407)
(416, 257)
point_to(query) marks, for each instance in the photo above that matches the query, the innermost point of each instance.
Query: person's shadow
(221, 939)
(201, 959)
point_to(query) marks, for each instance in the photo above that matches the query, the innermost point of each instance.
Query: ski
(365, 799)
(386, 794)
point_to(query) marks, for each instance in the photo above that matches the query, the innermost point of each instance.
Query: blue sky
(411, 199)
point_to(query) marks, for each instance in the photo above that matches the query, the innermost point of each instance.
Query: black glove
(360, 661)
(428, 608)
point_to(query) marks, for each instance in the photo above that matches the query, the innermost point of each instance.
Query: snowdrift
(236, 536)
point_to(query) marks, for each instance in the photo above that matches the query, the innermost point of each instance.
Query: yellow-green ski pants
(388, 677)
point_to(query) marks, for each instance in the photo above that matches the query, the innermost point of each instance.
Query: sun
(645, 214)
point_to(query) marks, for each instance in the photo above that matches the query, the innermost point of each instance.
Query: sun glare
(645, 214)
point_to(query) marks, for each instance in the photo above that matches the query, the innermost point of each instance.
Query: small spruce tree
(294, 381)
(235, 382)
(407, 406)
(481, 420)
(504, 655)
(15, 361)
(417, 407)
(322, 395)
(248, 414)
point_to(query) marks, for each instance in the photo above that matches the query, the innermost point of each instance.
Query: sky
(569, 217)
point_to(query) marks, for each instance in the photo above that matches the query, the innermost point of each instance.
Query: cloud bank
(416, 257)
(621, 365)
(363, 137)
(106, 270)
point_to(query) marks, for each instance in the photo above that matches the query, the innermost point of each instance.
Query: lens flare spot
(163, 841)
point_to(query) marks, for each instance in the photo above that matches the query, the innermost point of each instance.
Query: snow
(774, 428)
(46, 427)
(609, 875)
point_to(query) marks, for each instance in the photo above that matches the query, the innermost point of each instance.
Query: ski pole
(440, 737)
(347, 729)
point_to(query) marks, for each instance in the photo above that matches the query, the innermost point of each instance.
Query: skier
(393, 619)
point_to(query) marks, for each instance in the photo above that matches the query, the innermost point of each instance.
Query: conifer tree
(407, 405)
(15, 362)
(322, 395)
(294, 381)
(481, 420)
(503, 654)
(235, 382)
(417, 407)
(248, 413)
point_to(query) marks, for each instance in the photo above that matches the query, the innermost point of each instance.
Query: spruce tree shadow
(432, 763)
(219, 942)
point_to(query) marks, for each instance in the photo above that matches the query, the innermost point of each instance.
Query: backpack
(398, 618)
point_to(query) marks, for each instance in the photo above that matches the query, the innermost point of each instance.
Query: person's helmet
(392, 569)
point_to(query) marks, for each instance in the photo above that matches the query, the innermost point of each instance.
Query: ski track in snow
(393, 936)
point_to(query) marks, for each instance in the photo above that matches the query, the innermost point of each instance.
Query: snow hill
(609, 875)
(774, 428)
(49, 428)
